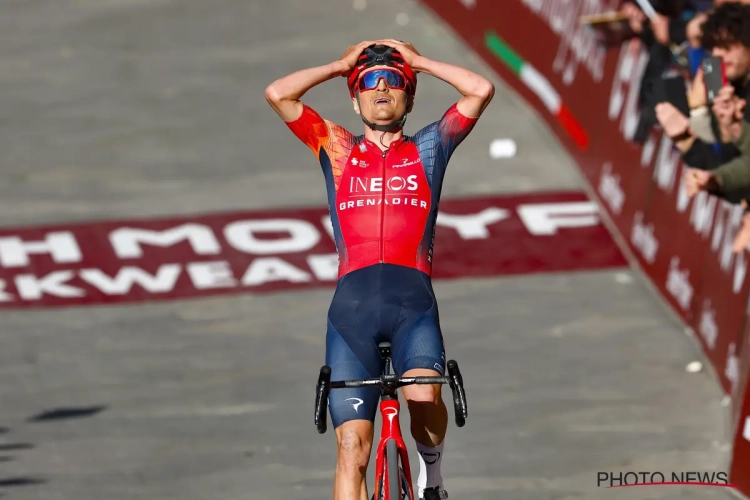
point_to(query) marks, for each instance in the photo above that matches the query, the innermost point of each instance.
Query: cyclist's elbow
(485, 90)
(286, 107)
(273, 94)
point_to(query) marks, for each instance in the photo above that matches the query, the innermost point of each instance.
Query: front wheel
(391, 457)
(398, 485)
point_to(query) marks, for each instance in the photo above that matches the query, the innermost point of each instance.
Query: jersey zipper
(382, 213)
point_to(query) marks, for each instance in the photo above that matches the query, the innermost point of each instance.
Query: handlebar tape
(321, 399)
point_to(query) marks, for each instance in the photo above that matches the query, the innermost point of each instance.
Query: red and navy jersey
(383, 204)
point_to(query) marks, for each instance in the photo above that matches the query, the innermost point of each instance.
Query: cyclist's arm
(477, 91)
(284, 94)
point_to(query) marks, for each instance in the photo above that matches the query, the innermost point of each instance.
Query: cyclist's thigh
(352, 353)
(418, 340)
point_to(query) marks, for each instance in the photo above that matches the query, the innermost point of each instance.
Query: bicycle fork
(391, 431)
(390, 410)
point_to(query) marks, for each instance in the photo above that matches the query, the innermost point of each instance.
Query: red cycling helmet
(381, 55)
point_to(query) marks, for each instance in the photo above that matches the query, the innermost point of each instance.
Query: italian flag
(540, 86)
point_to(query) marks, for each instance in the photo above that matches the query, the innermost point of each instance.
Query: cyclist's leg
(352, 415)
(355, 442)
(418, 350)
(352, 353)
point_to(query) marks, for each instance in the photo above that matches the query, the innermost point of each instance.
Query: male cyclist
(383, 192)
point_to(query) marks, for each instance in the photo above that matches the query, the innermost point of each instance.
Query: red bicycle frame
(389, 412)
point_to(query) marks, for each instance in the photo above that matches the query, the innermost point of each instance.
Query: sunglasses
(394, 79)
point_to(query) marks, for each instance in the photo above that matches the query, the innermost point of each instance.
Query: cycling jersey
(383, 204)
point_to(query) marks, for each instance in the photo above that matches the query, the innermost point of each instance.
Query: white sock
(429, 466)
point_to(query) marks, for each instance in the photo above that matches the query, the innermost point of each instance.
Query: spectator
(726, 33)
(735, 174)
(717, 142)
(694, 32)
(669, 26)
(665, 37)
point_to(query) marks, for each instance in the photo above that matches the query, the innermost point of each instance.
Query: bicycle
(391, 451)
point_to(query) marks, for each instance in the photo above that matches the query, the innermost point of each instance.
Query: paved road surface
(113, 108)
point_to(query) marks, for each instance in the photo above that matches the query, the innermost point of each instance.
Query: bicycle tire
(394, 474)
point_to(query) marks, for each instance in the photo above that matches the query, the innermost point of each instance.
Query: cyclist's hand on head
(407, 50)
(350, 56)
(476, 90)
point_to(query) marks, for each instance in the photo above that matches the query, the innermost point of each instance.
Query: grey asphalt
(130, 108)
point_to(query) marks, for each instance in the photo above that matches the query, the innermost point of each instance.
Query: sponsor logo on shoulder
(405, 163)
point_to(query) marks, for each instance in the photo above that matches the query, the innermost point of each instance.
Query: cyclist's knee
(419, 393)
(422, 394)
(354, 446)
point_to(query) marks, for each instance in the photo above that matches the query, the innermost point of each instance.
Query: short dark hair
(726, 25)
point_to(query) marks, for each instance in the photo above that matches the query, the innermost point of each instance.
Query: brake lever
(321, 399)
(459, 395)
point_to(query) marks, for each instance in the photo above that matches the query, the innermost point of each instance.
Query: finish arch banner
(588, 95)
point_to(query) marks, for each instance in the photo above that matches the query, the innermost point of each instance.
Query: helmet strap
(389, 127)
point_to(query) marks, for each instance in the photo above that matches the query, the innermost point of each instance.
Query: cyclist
(383, 192)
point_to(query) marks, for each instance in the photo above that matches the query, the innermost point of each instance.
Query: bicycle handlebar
(324, 386)
(400, 382)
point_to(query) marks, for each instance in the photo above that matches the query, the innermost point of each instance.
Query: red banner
(129, 261)
(580, 88)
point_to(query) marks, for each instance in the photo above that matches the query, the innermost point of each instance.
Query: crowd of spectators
(711, 131)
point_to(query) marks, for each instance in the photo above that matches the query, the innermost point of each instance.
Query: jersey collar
(394, 145)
